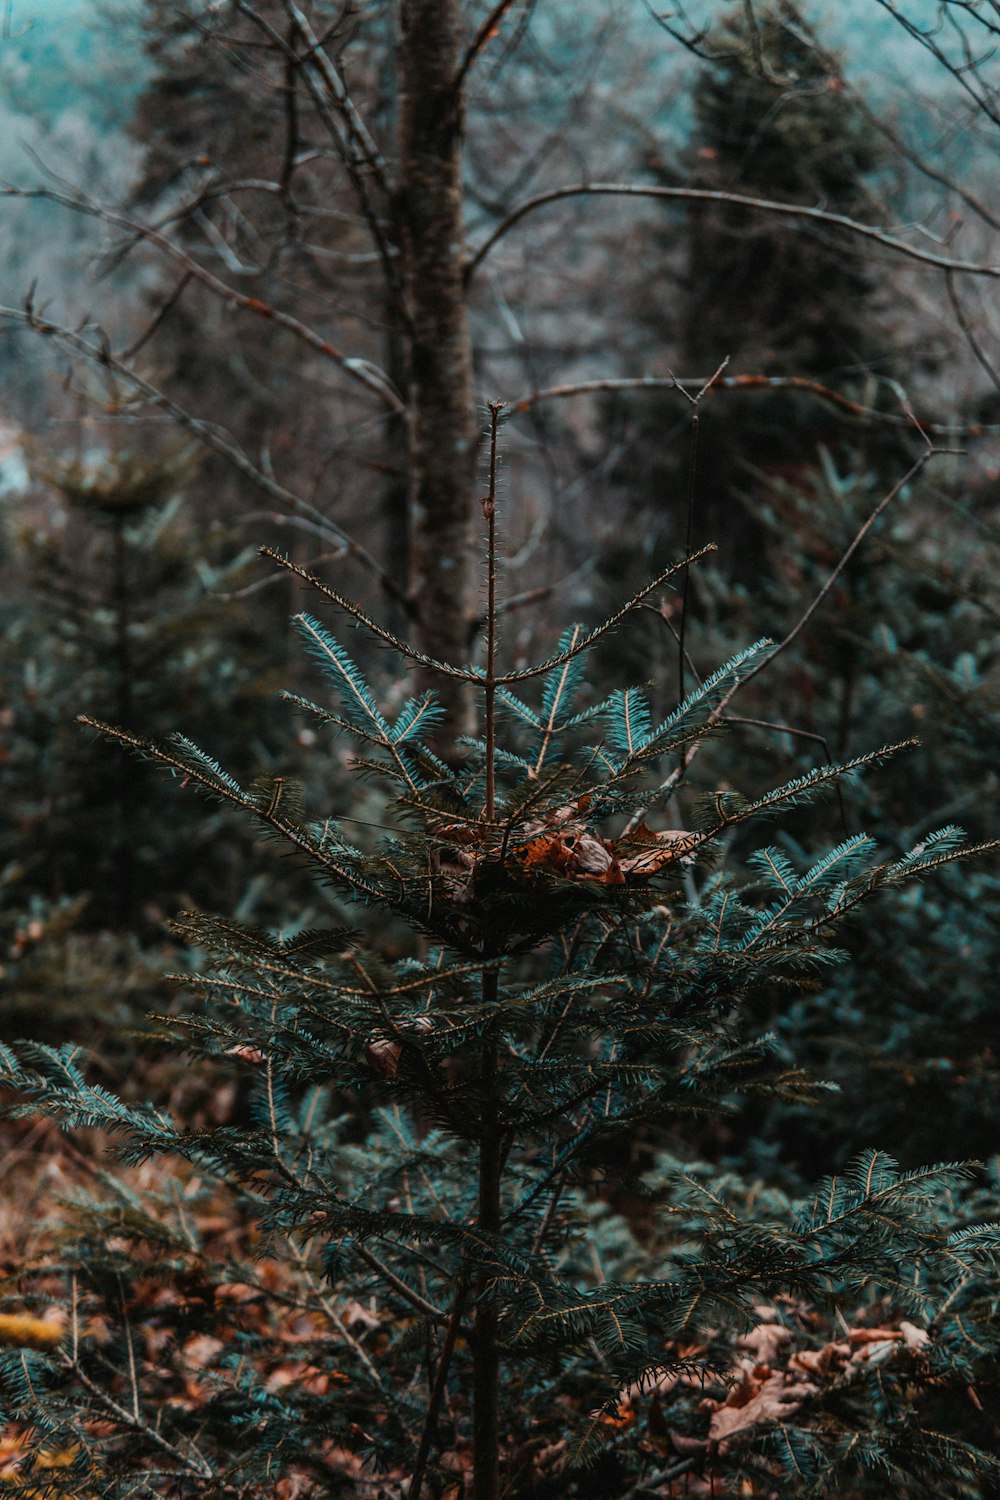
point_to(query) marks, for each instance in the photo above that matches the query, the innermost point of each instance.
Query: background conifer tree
(114, 598)
(907, 644)
(771, 119)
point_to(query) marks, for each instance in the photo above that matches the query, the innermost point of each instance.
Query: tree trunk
(443, 429)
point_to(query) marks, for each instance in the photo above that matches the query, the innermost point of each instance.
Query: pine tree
(444, 1285)
(771, 119)
(114, 605)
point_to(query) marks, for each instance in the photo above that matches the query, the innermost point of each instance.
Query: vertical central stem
(486, 1372)
(124, 864)
(490, 512)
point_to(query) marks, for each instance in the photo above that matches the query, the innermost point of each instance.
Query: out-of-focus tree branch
(361, 370)
(749, 383)
(354, 143)
(967, 73)
(734, 200)
(487, 31)
(210, 433)
(968, 331)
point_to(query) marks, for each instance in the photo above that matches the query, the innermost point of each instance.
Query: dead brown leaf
(773, 1399)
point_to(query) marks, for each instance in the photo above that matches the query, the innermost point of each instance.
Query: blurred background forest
(171, 177)
(733, 269)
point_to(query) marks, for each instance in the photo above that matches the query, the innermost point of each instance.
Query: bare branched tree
(365, 223)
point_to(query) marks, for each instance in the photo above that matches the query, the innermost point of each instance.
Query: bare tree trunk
(443, 426)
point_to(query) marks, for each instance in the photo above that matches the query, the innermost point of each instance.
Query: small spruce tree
(437, 1125)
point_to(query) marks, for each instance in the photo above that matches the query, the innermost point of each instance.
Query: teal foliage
(906, 645)
(434, 1138)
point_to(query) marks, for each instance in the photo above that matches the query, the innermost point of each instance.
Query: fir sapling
(436, 1124)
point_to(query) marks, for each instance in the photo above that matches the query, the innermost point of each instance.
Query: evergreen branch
(732, 809)
(882, 875)
(911, 474)
(402, 648)
(559, 684)
(353, 686)
(475, 675)
(343, 671)
(350, 879)
(196, 1465)
(416, 714)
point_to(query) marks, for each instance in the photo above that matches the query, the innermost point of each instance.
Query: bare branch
(361, 370)
(169, 302)
(968, 331)
(485, 34)
(209, 433)
(359, 132)
(898, 143)
(965, 74)
(733, 200)
(354, 142)
(746, 383)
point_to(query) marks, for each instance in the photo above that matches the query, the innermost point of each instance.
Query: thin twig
(490, 684)
(397, 1283)
(354, 143)
(360, 133)
(360, 370)
(437, 1394)
(733, 200)
(744, 383)
(863, 530)
(695, 403)
(486, 33)
(468, 674)
(199, 1465)
(968, 331)
(165, 307)
(209, 433)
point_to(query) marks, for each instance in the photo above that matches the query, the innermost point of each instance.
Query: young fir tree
(444, 1288)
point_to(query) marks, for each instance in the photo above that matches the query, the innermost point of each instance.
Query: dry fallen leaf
(383, 1054)
(765, 1342)
(654, 851)
(913, 1337)
(773, 1399)
(202, 1350)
